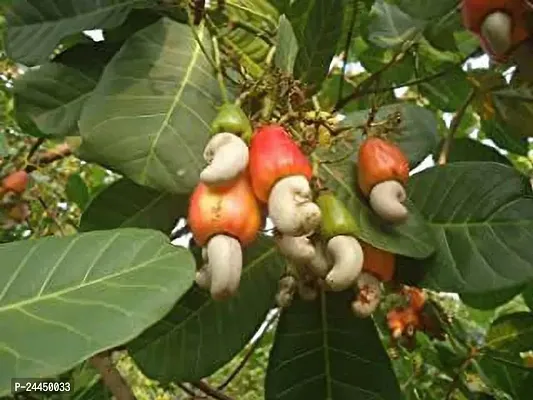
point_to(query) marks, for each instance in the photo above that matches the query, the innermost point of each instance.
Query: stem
(347, 47)
(111, 377)
(47, 157)
(51, 215)
(254, 345)
(456, 121)
(210, 391)
(252, 29)
(218, 69)
(35, 147)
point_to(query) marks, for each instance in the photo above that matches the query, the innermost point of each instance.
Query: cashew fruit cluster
(501, 26)
(382, 172)
(224, 214)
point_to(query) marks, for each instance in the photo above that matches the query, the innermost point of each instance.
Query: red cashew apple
(15, 182)
(382, 171)
(222, 219)
(377, 262)
(280, 175)
(403, 321)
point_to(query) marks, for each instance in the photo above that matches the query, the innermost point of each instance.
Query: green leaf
(448, 92)
(134, 121)
(63, 300)
(491, 300)
(528, 296)
(287, 46)
(514, 105)
(124, 204)
(508, 377)
(466, 149)
(511, 334)
(419, 135)
(53, 95)
(427, 10)
(77, 191)
(3, 145)
(322, 351)
(482, 217)
(390, 26)
(317, 28)
(35, 28)
(200, 335)
(504, 137)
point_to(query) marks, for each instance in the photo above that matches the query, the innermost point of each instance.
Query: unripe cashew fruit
(403, 321)
(382, 171)
(368, 296)
(379, 263)
(15, 182)
(227, 157)
(287, 289)
(280, 175)
(416, 296)
(232, 119)
(298, 249)
(222, 219)
(338, 228)
(501, 24)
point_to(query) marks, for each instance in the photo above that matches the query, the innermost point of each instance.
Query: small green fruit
(336, 218)
(232, 119)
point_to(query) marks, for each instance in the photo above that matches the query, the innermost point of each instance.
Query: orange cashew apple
(280, 175)
(382, 171)
(379, 263)
(15, 182)
(222, 219)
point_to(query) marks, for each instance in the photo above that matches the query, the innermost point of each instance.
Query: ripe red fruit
(416, 296)
(380, 161)
(16, 182)
(273, 156)
(232, 211)
(379, 263)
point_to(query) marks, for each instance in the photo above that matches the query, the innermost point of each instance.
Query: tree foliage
(112, 133)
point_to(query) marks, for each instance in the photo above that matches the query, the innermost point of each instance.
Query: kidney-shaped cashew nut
(297, 249)
(227, 156)
(347, 256)
(369, 295)
(386, 199)
(222, 274)
(291, 207)
(496, 30)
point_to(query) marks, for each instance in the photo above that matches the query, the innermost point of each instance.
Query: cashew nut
(222, 273)
(347, 256)
(203, 275)
(386, 199)
(297, 249)
(286, 290)
(496, 30)
(368, 297)
(291, 207)
(227, 156)
(320, 265)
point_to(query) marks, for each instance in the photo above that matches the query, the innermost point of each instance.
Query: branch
(111, 377)
(456, 121)
(46, 157)
(254, 345)
(347, 48)
(209, 390)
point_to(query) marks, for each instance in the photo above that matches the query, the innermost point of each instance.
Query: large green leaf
(317, 27)
(124, 204)
(514, 105)
(53, 94)
(419, 135)
(287, 46)
(491, 300)
(482, 218)
(426, 10)
(77, 191)
(528, 296)
(200, 335)
(149, 116)
(466, 149)
(322, 351)
(504, 137)
(65, 299)
(511, 378)
(35, 27)
(512, 333)
(390, 26)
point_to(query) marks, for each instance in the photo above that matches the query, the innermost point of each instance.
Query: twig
(235, 23)
(347, 48)
(456, 121)
(47, 157)
(35, 147)
(210, 391)
(186, 390)
(51, 215)
(220, 77)
(111, 377)
(253, 346)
